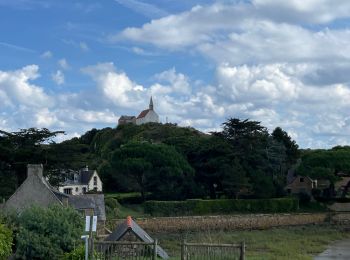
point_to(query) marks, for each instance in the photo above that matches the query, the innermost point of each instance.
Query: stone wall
(232, 222)
(342, 218)
(340, 207)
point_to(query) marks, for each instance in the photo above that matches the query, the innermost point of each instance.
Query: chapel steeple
(151, 104)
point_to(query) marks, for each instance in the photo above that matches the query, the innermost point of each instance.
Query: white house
(81, 182)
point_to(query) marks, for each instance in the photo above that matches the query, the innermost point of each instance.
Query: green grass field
(277, 243)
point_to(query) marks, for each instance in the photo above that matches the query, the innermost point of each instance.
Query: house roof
(89, 201)
(342, 183)
(85, 176)
(34, 190)
(143, 113)
(127, 117)
(129, 225)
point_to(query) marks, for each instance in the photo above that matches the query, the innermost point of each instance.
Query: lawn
(302, 242)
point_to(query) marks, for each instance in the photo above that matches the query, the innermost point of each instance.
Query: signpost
(90, 226)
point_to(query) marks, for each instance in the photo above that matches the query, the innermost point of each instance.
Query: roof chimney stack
(35, 169)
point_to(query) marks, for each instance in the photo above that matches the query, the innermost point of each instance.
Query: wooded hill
(168, 162)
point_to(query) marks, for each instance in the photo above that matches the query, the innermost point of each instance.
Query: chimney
(85, 169)
(35, 169)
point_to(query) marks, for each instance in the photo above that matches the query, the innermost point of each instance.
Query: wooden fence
(124, 250)
(194, 251)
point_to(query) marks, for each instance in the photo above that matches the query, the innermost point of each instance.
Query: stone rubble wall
(232, 222)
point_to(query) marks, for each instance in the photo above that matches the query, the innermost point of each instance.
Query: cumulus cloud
(63, 63)
(15, 86)
(115, 86)
(58, 77)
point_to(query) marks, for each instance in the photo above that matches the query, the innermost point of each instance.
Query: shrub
(5, 242)
(47, 233)
(222, 206)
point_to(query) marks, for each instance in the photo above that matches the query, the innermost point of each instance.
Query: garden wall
(232, 222)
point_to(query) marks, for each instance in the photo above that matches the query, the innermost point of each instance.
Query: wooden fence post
(242, 257)
(154, 256)
(183, 249)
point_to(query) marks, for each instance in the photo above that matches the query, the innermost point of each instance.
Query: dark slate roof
(127, 117)
(89, 201)
(129, 225)
(143, 113)
(85, 176)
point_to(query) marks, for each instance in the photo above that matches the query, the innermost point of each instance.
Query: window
(67, 191)
(84, 190)
(301, 179)
(95, 181)
(76, 189)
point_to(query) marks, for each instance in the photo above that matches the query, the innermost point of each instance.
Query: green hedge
(222, 206)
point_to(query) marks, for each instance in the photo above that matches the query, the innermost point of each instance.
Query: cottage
(301, 184)
(35, 190)
(78, 183)
(342, 186)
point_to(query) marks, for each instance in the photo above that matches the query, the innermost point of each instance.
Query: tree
(47, 233)
(5, 242)
(235, 181)
(292, 149)
(155, 168)
(251, 144)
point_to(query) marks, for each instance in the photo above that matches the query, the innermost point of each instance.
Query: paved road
(339, 250)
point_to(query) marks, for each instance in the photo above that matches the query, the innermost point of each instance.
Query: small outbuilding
(129, 230)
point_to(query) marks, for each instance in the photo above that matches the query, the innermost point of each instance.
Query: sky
(74, 65)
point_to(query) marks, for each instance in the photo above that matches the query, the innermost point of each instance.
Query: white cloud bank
(285, 63)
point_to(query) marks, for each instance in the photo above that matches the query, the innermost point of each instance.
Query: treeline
(162, 161)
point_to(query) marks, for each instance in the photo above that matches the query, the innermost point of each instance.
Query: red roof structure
(143, 113)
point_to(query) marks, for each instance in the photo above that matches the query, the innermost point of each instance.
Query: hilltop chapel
(146, 116)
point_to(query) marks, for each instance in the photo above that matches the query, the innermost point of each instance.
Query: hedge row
(222, 206)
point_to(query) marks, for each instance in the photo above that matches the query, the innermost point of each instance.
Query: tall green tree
(17, 149)
(155, 168)
(292, 149)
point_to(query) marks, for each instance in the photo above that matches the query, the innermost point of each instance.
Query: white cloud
(15, 86)
(46, 55)
(83, 46)
(58, 77)
(312, 11)
(63, 64)
(115, 86)
(179, 83)
(145, 9)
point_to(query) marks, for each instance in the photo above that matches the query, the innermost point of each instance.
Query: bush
(5, 242)
(222, 206)
(47, 233)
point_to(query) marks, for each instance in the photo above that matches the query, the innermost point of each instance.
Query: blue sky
(74, 65)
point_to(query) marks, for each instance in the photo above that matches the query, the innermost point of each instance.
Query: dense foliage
(325, 164)
(221, 206)
(171, 162)
(47, 233)
(5, 241)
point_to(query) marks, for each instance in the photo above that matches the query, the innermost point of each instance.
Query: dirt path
(339, 250)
